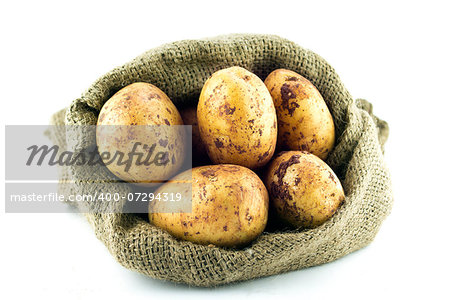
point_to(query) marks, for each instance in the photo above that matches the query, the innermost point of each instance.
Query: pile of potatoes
(280, 128)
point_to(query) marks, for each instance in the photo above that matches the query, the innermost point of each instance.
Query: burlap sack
(180, 69)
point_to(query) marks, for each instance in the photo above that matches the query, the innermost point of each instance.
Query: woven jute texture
(180, 70)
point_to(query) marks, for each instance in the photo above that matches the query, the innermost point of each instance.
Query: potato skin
(140, 104)
(189, 116)
(229, 207)
(237, 118)
(304, 121)
(304, 191)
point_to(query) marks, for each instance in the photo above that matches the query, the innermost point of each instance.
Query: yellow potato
(141, 104)
(237, 118)
(304, 121)
(189, 116)
(229, 206)
(304, 191)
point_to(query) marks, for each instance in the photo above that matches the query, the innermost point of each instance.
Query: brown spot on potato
(278, 189)
(263, 156)
(292, 108)
(230, 168)
(240, 149)
(258, 145)
(332, 177)
(207, 173)
(230, 111)
(227, 109)
(286, 93)
(304, 147)
(218, 143)
(248, 217)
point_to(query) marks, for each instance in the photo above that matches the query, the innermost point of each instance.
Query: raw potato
(141, 104)
(304, 191)
(189, 116)
(229, 206)
(304, 121)
(237, 118)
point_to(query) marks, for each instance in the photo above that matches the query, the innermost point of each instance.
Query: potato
(304, 121)
(141, 104)
(304, 191)
(189, 116)
(237, 118)
(229, 206)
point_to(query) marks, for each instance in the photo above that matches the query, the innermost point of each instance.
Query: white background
(395, 54)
